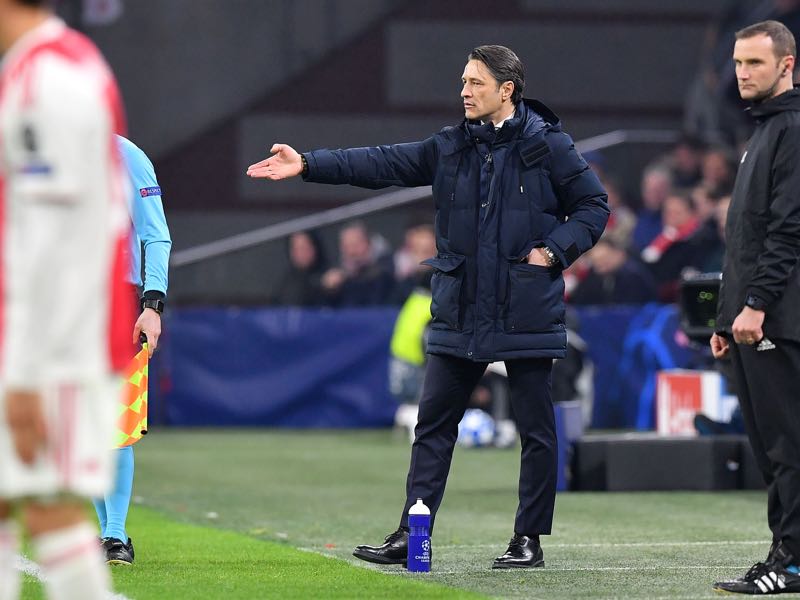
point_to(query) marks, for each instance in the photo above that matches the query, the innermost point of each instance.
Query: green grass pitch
(274, 514)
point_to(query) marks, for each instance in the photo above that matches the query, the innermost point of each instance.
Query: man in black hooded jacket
(758, 324)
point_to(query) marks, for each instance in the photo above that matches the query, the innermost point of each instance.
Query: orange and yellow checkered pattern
(132, 419)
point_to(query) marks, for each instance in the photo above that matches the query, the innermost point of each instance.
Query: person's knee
(41, 518)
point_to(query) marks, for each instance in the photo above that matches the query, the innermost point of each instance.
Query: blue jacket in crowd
(498, 194)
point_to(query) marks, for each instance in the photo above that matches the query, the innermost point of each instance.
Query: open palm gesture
(285, 162)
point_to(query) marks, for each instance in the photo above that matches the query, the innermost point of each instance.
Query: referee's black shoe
(393, 551)
(777, 575)
(117, 552)
(523, 552)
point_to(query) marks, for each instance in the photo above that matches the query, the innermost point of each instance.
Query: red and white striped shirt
(66, 312)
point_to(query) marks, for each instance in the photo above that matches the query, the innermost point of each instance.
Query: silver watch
(552, 259)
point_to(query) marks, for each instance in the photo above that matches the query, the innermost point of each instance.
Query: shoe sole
(725, 592)
(536, 565)
(378, 560)
(722, 592)
(119, 562)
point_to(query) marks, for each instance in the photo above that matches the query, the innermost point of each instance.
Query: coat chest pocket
(448, 276)
(533, 178)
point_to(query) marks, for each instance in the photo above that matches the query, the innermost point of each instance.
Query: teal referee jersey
(150, 238)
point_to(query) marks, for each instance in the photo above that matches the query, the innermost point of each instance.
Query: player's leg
(118, 547)
(67, 549)
(102, 515)
(9, 546)
(79, 466)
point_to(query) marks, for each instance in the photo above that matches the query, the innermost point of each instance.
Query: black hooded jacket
(763, 226)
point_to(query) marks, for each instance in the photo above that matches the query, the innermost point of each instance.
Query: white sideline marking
(647, 568)
(620, 544)
(546, 570)
(29, 567)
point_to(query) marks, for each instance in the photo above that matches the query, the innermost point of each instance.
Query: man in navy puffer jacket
(515, 205)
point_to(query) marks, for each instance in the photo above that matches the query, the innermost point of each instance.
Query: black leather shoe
(523, 553)
(394, 550)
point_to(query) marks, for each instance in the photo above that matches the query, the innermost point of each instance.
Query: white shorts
(77, 458)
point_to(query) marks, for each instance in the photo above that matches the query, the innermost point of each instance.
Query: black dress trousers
(449, 382)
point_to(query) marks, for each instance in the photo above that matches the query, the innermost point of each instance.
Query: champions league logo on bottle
(419, 537)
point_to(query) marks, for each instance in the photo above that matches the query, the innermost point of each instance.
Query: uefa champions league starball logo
(426, 545)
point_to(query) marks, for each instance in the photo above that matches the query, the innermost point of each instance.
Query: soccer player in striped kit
(65, 308)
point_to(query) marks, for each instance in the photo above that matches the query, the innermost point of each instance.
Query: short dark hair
(782, 39)
(504, 66)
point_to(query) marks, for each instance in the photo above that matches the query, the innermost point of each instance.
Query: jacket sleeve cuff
(758, 299)
(311, 161)
(565, 258)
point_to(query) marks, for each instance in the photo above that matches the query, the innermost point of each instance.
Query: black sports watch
(755, 303)
(155, 303)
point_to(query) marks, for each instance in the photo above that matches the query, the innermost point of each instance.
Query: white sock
(9, 548)
(73, 564)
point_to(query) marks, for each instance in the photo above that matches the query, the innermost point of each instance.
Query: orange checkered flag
(132, 420)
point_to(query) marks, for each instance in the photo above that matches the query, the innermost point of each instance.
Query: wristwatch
(552, 259)
(304, 162)
(755, 302)
(154, 303)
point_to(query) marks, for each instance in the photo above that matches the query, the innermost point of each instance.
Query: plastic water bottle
(419, 537)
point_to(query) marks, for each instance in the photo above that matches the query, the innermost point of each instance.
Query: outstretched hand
(284, 163)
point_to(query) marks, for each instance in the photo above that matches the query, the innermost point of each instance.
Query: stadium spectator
(757, 322)
(301, 283)
(67, 310)
(712, 260)
(362, 277)
(656, 186)
(622, 221)
(151, 235)
(685, 162)
(420, 244)
(497, 294)
(718, 170)
(707, 246)
(614, 277)
(668, 254)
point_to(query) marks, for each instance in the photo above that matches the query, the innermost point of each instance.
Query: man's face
(354, 247)
(482, 94)
(606, 259)
(302, 251)
(676, 212)
(655, 188)
(758, 70)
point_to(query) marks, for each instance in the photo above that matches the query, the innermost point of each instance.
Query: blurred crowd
(675, 227)
(368, 271)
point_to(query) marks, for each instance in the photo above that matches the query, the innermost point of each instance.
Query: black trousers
(448, 385)
(769, 397)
